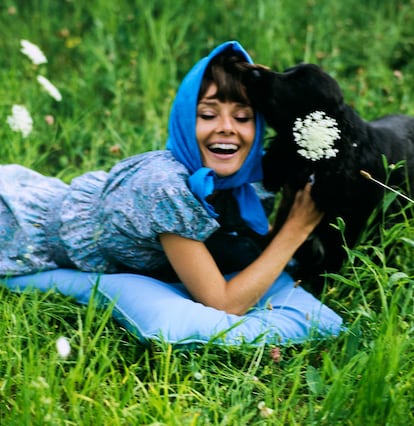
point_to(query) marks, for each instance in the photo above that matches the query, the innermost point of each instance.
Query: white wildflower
(32, 52)
(315, 135)
(20, 120)
(63, 347)
(264, 410)
(198, 375)
(50, 88)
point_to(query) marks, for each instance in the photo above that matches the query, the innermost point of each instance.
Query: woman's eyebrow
(209, 100)
(212, 100)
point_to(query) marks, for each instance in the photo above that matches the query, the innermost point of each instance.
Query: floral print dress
(102, 221)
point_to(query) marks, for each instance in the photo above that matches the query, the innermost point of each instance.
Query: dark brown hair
(227, 77)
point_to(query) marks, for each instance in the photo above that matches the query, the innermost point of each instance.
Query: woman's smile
(223, 148)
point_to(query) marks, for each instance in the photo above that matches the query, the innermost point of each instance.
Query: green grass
(118, 65)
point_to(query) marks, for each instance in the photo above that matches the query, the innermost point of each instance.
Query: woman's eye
(243, 119)
(206, 116)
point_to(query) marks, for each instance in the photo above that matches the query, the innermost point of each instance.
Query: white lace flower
(20, 120)
(63, 347)
(49, 87)
(315, 135)
(32, 52)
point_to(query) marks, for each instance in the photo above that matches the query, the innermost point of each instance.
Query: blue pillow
(154, 310)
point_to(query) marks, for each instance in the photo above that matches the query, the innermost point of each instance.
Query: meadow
(117, 66)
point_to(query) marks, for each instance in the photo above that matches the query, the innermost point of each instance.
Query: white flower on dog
(315, 135)
(20, 120)
(49, 87)
(32, 52)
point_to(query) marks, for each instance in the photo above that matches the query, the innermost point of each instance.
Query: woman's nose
(225, 124)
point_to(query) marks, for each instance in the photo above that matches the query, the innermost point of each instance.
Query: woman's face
(225, 133)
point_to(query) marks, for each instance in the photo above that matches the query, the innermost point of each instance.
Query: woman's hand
(304, 213)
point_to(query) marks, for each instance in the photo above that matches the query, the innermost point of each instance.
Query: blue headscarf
(183, 144)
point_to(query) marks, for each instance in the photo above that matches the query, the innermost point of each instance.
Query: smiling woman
(225, 126)
(187, 213)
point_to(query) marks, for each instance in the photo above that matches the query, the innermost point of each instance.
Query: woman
(167, 213)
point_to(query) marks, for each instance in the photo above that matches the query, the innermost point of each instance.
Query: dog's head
(294, 93)
(283, 98)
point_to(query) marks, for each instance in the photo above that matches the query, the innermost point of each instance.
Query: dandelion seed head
(32, 52)
(316, 135)
(20, 120)
(49, 87)
(63, 347)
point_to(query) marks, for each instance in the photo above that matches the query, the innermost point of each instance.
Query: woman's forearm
(198, 271)
(247, 287)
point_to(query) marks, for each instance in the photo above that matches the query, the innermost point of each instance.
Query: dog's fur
(339, 190)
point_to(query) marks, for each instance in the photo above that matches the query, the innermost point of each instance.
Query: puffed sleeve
(153, 198)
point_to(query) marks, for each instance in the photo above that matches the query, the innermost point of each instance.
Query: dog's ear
(264, 88)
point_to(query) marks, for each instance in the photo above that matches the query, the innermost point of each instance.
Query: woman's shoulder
(149, 171)
(151, 162)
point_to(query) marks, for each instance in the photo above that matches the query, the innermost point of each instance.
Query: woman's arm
(198, 271)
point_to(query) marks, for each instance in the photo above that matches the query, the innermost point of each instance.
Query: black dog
(339, 189)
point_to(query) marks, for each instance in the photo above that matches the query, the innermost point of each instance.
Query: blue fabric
(154, 310)
(102, 221)
(183, 144)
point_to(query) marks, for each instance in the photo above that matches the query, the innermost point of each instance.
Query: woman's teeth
(223, 148)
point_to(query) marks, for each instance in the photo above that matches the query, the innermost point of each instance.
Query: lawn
(117, 66)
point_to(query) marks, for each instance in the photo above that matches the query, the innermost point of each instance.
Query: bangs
(228, 79)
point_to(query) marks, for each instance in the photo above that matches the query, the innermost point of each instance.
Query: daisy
(49, 87)
(32, 52)
(20, 120)
(316, 135)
